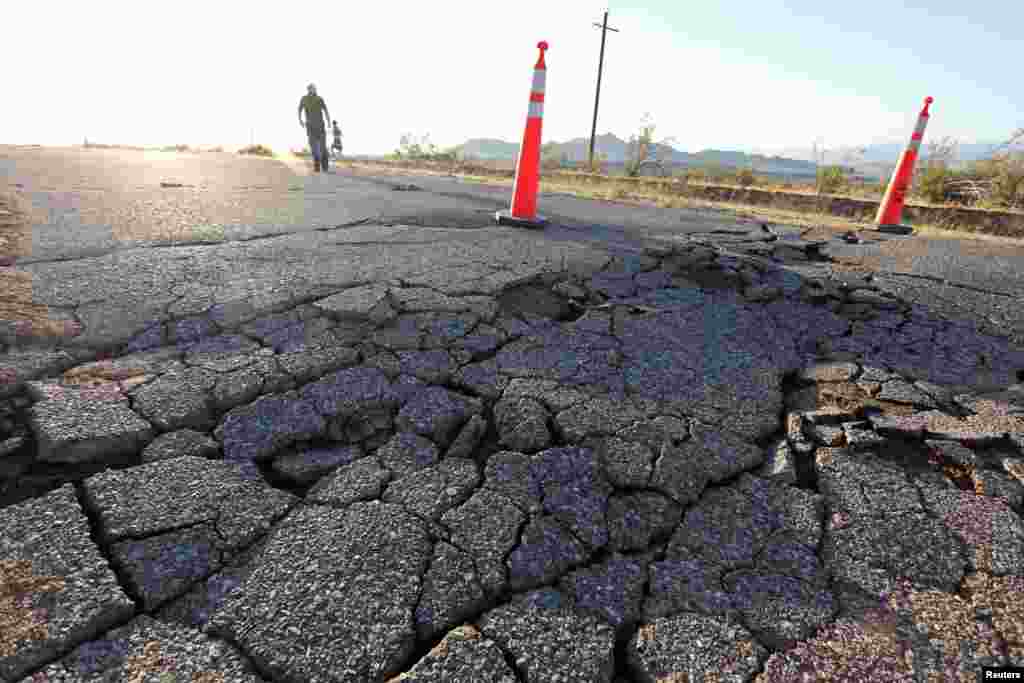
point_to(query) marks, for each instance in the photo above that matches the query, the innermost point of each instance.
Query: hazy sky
(739, 75)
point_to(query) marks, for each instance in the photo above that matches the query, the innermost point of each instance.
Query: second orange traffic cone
(891, 208)
(523, 211)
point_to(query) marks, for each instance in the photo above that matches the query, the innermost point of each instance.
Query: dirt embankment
(1001, 223)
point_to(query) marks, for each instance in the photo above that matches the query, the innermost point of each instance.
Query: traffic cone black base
(895, 229)
(505, 217)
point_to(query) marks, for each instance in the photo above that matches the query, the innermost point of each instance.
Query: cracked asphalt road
(355, 432)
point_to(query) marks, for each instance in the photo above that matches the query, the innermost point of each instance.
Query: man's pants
(318, 147)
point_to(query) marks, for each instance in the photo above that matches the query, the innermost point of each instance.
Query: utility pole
(597, 97)
(819, 161)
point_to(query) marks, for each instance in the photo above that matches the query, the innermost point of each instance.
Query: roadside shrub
(932, 183)
(883, 184)
(863, 188)
(831, 179)
(639, 146)
(1006, 174)
(451, 154)
(697, 175)
(551, 158)
(412, 148)
(550, 164)
(717, 173)
(600, 165)
(259, 150)
(1009, 185)
(175, 148)
(745, 177)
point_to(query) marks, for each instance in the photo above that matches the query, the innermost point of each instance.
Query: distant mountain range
(878, 160)
(616, 152)
(870, 161)
(889, 152)
(487, 149)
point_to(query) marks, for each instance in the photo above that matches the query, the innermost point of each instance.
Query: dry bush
(258, 150)
(1005, 174)
(831, 179)
(745, 177)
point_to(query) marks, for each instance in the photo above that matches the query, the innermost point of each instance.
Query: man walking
(315, 125)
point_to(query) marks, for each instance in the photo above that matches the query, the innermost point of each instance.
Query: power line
(597, 97)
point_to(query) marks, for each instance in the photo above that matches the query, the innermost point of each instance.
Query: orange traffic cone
(523, 211)
(891, 208)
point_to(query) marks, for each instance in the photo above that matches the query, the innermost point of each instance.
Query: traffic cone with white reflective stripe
(891, 208)
(523, 211)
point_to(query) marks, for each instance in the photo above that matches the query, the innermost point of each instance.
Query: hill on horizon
(874, 161)
(889, 152)
(616, 152)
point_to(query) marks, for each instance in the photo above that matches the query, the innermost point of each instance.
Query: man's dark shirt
(314, 107)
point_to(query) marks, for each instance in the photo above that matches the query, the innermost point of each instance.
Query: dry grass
(16, 301)
(19, 622)
(15, 226)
